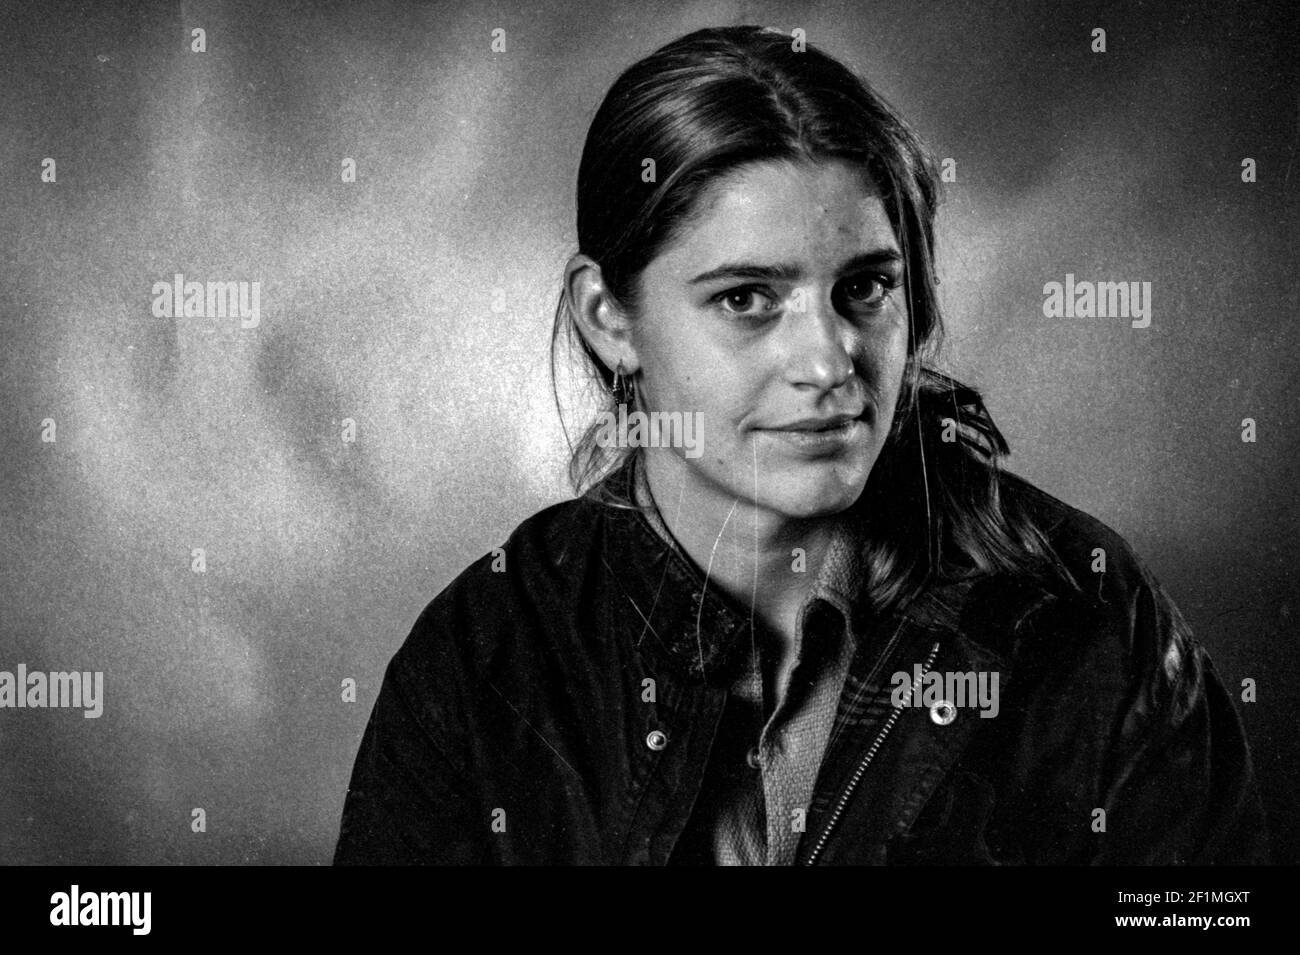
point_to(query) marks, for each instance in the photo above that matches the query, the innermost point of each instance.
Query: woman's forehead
(784, 210)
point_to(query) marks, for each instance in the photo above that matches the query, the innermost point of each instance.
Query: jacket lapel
(886, 760)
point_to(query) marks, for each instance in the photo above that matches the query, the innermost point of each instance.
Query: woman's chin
(814, 496)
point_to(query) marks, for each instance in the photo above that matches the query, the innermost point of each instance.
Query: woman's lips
(827, 436)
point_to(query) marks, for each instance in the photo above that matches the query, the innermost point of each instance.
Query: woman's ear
(603, 322)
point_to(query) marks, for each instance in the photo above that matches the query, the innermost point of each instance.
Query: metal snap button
(943, 712)
(752, 757)
(656, 740)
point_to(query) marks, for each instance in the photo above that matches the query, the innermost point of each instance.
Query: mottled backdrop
(416, 301)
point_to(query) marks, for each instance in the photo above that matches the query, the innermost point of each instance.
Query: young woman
(797, 614)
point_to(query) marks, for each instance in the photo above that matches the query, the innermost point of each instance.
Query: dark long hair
(720, 98)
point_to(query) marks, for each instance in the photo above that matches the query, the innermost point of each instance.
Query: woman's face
(779, 315)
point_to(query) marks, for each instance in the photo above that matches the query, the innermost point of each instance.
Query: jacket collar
(705, 635)
(699, 630)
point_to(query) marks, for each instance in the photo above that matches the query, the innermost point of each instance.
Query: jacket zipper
(895, 713)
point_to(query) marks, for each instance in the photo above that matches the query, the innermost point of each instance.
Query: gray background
(418, 300)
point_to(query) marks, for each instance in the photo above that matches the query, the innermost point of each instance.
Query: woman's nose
(819, 345)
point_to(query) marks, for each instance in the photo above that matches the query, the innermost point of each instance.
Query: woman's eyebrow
(789, 273)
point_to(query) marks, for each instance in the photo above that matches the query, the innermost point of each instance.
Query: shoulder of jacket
(1121, 609)
(537, 566)
(1080, 540)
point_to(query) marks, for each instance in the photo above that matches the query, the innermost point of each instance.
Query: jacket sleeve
(410, 801)
(1180, 786)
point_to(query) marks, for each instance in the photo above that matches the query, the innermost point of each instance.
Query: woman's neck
(755, 556)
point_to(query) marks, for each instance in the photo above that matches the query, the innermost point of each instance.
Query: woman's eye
(743, 301)
(868, 289)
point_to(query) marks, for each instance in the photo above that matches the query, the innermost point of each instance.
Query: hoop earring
(621, 389)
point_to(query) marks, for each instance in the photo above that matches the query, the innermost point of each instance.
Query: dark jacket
(560, 708)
